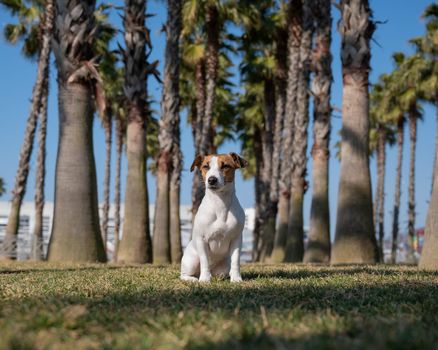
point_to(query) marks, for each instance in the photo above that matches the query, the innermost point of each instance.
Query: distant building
(27, 222)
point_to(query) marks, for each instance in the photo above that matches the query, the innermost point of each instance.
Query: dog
(216, 243)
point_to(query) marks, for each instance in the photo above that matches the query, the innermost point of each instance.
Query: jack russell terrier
(217, 228)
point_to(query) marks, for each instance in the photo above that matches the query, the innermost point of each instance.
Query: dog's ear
(238, 160)
(197, 162)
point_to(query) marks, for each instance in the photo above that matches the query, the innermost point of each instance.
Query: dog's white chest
(220, 232)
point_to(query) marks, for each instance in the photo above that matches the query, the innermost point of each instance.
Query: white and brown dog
(217, 228)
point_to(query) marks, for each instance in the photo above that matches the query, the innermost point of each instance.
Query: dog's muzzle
(212, 182)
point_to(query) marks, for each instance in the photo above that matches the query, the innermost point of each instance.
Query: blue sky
(403, 21)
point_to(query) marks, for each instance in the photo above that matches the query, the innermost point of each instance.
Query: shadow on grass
(6, 270)
(348, 270)
(321, 308)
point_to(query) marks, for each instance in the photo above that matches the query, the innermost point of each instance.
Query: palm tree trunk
(318, 246)
(9, 249)
(397, 192)
(293, 47)
(135, 246)
(355, 241)
(256, 250)
(76, 234)
(212, 63)
(267, 206)
(280, 105)
(411, 201)
(436, 139)
(119, 152)
(429, 256)
(37, 250)
(197, 127)
(295, 240)
(161, 238)
(169, 120)
(381, 189)
(108, 128)
(175, 199)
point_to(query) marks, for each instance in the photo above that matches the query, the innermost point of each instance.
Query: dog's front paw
(235, 277)
(205, 277)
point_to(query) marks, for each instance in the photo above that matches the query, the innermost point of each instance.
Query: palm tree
(294, 28)
(37, 252)
(410, 74)
(393, 111)
(429, 256)
(32, 22)
(135, 246)
(112, 89)
(355, 241)
(194, 82)
(281, 38)
(169, 143)
(259, 72)
(318, 246)
(430, 87)
(120, 132)
(381, 134)
(76, 233)
(295, 239)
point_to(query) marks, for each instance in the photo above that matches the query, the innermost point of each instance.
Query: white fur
(217, 233)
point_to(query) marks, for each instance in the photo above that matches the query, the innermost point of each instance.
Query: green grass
(276, 307)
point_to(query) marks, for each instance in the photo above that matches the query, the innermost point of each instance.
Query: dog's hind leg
(190, 265)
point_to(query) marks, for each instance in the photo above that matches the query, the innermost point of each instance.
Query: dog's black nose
(212, 180)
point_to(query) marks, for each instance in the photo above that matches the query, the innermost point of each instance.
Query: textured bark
(76, 233)
(429, 256)
(175, 194)
(256, 250)
(267, 206)
(37, 251)
(108, 128)
(381, 160)
(175, 219)
(197, 127)
(413, 115)
(135, 246)
(295, 238)
(10, 241)
(436, 140)
(295, 241)
(119, 152)
(161, 237)
(280, 106)
(318, 246)
(355, 241)
(212, 64)
(397, 192)
(168, 140)
(293, 47)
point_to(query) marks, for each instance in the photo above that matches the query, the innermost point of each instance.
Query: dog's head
(218, 169)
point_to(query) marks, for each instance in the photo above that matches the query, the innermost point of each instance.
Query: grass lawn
(276, 307)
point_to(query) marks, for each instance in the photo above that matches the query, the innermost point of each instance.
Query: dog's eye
(226, 166)
(206, 166)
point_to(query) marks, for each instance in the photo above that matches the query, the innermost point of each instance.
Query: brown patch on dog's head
(228, 163)
(202, 163)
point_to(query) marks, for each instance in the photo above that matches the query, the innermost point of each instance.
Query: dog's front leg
(202, 246)
(236, 247)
